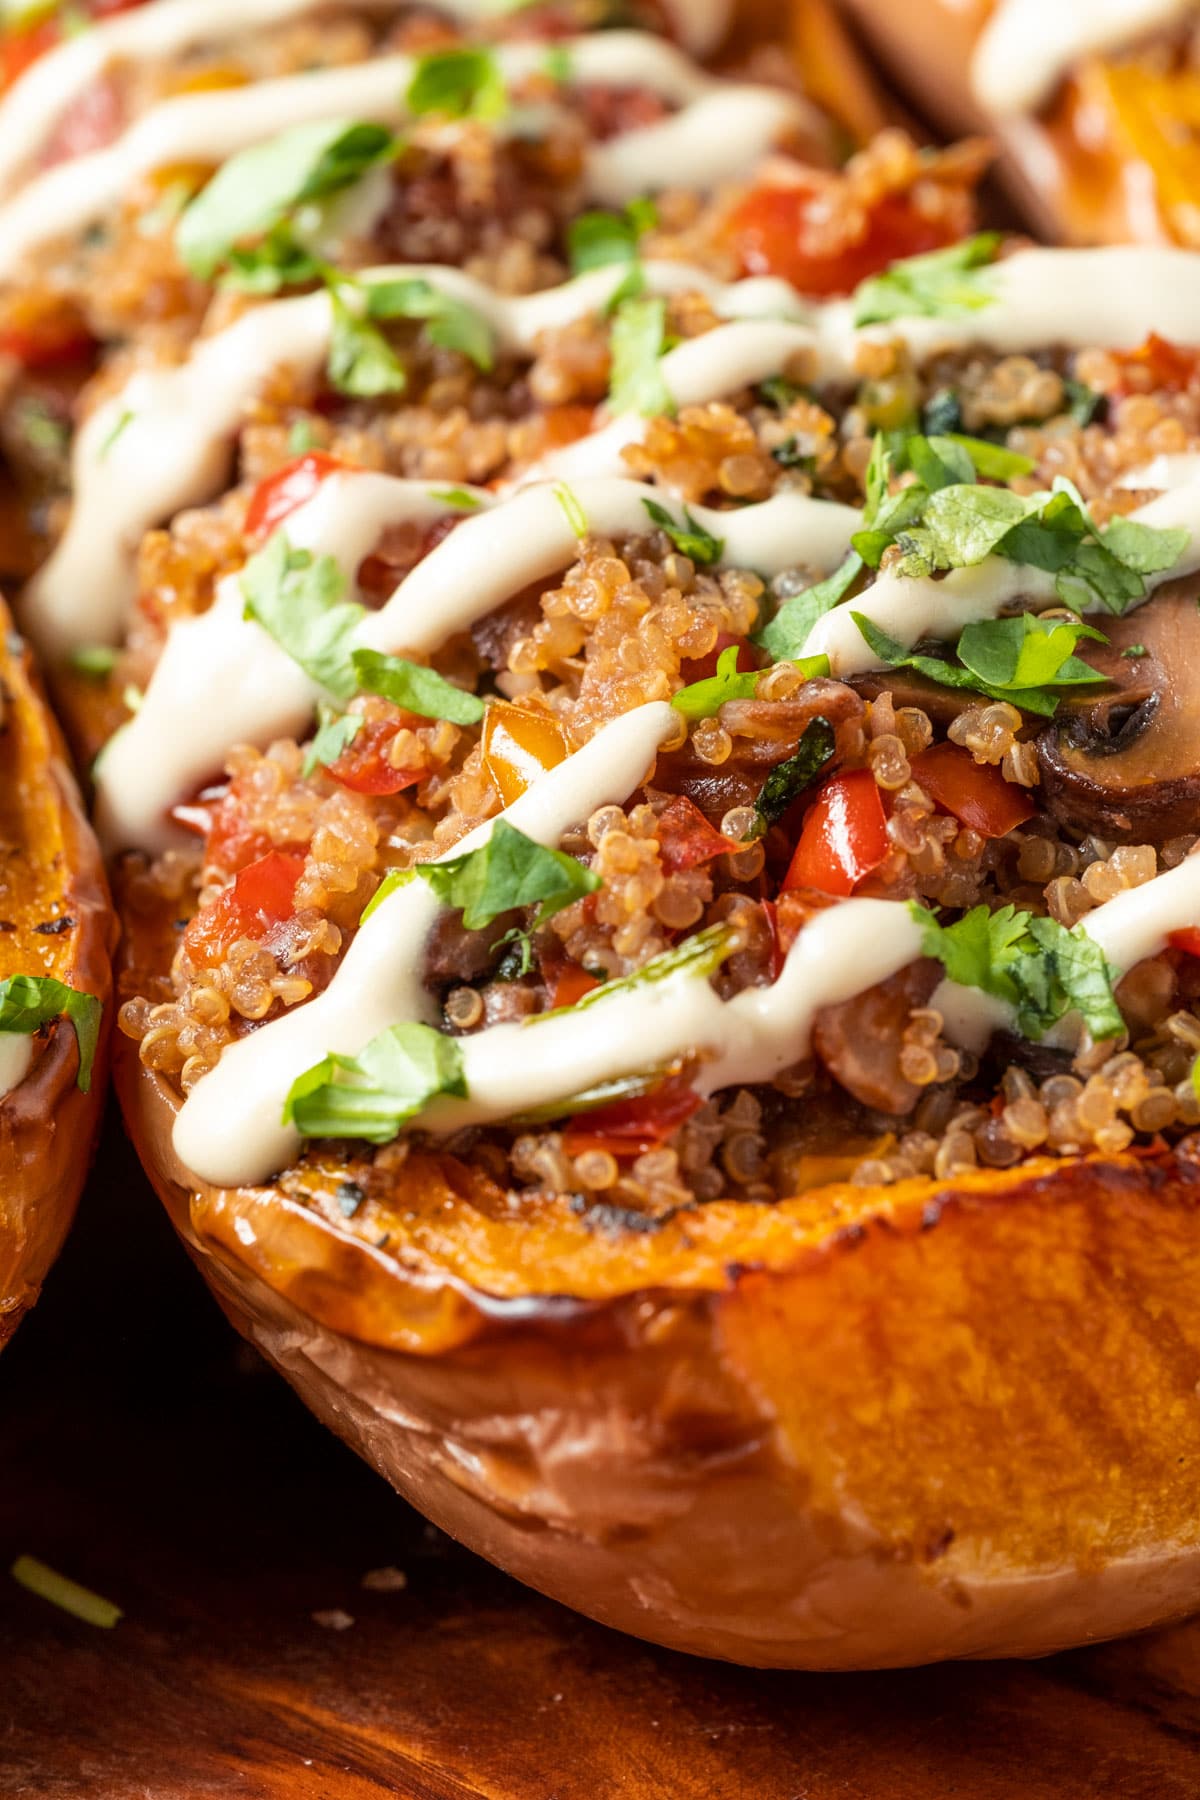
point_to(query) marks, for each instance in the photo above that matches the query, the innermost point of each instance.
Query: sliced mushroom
(860, 1041)
(1125, 762)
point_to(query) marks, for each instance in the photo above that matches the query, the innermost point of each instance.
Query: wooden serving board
(146, 1454)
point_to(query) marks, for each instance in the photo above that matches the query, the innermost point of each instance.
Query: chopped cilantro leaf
(944, 284)
(690, 538)
(27, 1002)
(639, 341)
(1034, 964)
(373, 1095)
(415, 688)
(510, 870)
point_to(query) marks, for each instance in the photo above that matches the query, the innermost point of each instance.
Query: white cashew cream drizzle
(722, 128)
(166, 440)
(1028, 46)
(16, 1054)
(222, 680)
(37, 103)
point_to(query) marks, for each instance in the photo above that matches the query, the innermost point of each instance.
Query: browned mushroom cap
(1126, 762)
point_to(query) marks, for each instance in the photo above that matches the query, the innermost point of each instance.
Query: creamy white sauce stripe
(721, 130)
(37, 103)
(229, 1132)
(1028, 46)
(16, 1054)
(229, 1129)
(166, 440)
(222, 680)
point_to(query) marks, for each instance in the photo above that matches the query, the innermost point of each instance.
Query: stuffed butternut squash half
(56, 938)
(652, 796)
(1095, 106)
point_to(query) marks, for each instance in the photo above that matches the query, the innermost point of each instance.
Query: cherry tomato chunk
(685, 837)
(365, 765)
(1187, 939)
(290, 488)
(631, 1127)
(784, 230)
(260, 902)
(976, 794)
(843, 838)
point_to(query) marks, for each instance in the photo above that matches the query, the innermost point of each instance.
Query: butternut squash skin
(855, 1430)
(1104, 162)
(51, 871)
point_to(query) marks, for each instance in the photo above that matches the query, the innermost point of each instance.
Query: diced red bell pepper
(261, 901)
(364, 765)
(1157, 364)
(1187, 939)
(844, 836)
(976, 794)
(290, 488)
(779, 230)
(685, 837)
(569, 986)
(631, 1127)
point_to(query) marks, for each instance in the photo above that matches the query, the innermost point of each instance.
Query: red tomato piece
(1187, 939)
(364, 766)
(570, 985)
(290, 488)
(260, 902)
(781, 231)
(843, 838)
(631, 1127)
(48, 344)
(685, 837)
(975, 793)
(1157, 364)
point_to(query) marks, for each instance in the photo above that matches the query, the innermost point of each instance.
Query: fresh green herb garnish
(301, 437)
(461, 499)
(568, 499)
(785, 635)
(945, 520)
(1134, 651)
(699, 955)
(43, 430)
(1084, 404)
(121, 424)
(779, 392)
(1019, 660)
(96, 661)
(510, 870)
(373, 1095)
(944, 284)
(299, 599)
(639, 341)
(792, 777)
(597, 240)
(361, 361)
(260, 188)
(334, 735)
(449, 324)
(27, 1002)
(690, 538)
(415, 688)
(942, 413)
(704, 698)
(462, 83)
(39, 1578)
(1034, 964)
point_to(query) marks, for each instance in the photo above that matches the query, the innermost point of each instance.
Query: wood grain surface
(147, 1455)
